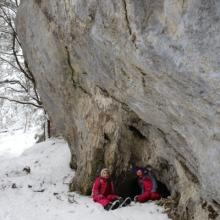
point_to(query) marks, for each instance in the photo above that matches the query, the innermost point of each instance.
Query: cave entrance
(162, 189)
(127, 186)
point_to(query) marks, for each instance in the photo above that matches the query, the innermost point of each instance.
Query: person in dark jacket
(103, 191)
(148, 186)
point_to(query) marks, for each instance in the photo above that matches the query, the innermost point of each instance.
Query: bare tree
(17, 83)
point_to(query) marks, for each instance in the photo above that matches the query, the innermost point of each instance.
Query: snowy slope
(13, 143)
(43, 193)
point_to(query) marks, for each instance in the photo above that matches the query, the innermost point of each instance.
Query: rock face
(133, 82)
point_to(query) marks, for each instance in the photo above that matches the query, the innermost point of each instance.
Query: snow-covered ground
(13, 143)
(43, 193)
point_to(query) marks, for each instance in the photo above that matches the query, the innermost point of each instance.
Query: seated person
(147, 184)
(103, 191)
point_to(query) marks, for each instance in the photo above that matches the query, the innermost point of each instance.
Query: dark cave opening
(163, 190)
(127, 186)
(136, 132)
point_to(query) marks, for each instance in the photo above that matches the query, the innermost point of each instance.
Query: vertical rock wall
(133, 82)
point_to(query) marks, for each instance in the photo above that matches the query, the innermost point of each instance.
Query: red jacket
(102, 187)
(147, 191)
(145, 184)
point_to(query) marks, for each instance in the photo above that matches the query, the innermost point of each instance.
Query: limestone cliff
(133, 81)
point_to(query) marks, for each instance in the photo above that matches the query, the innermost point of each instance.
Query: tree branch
(16, 2)
(15, 67)
(16, 58)
(37, 100)
(8, 21)
(10, 54)
(33, 82)
(9, 6)
(21, 102)
(6, 32)
(7, 25)
(15, 90)
(14, 82)
(10, 63)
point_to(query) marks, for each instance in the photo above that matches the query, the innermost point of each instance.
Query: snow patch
(34, 186)
(13, 144)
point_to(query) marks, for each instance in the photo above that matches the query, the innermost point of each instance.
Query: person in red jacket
(103, 191)
(146, 184)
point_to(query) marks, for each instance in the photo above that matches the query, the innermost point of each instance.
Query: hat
(134, 169)
(104, 170)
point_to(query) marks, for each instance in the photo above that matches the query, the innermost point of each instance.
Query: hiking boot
(114, 205)
(121, 200)
(136, 199)
(125, 202)
(108, 206)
